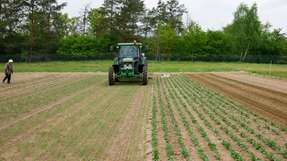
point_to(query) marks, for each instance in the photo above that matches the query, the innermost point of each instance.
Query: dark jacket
(8, 69)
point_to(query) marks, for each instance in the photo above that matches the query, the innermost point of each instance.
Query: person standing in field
(8, 71)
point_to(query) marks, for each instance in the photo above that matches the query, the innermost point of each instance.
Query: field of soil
(264, 95)
(77, 116)
(71, 116)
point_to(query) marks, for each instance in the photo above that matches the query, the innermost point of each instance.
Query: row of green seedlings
(226, 144)
(269, 142)
(235, 138)
(155, 152)
(258, 146)
(194, 140)
(213, 95)
(168, 147)
(269, 125)
(270, 155)
(203, 133)
(242, 111)
(180, 139)
(175, 98)
(272, 123)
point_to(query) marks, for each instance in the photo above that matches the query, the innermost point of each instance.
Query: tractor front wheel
(111, 78)
(145, 78)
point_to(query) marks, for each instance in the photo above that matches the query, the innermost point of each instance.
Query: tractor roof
(129, 44)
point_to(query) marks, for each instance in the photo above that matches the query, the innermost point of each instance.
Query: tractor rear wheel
(111, 78)
(145, 79)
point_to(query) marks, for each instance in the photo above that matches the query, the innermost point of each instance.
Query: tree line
(35, 27)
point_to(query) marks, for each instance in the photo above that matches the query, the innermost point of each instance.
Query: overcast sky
(210, 14)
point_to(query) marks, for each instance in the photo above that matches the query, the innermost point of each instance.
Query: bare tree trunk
(85, 21)
(32, 33)
(158, 45)
(241, 54)
(246, 52)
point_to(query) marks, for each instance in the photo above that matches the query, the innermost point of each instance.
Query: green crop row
(228, 123)
(168, 147)
(213, 116)
(268, 142)
(240, 109)
(155, 153)
(184, 151)
(218, 122)
(203, 133)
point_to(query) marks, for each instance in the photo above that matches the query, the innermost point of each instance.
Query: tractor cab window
(128, 52)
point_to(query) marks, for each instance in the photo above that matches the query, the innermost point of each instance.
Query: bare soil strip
(148, 125)
(257, 80)
(266, 93)
(247, 97)
(120, 145)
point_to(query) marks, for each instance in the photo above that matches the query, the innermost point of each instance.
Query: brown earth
(72, 116)
(260, 95)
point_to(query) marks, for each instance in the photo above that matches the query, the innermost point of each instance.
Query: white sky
(210, 14)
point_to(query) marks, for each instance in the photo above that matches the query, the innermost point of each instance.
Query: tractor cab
(130, 63)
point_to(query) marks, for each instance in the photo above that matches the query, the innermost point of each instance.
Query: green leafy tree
(195, 40)
(168, 39)
(245, 30)
(175, 12)
(217, 43)
(11, 26)
(97, 22)
(42, 17)
(128, 18)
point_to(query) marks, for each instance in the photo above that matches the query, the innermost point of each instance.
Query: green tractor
(130, 63)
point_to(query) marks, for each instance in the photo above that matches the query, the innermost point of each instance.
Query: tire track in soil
(58, 117)
(236, 93)
(40, 110)
(120, 145)
(148, 126)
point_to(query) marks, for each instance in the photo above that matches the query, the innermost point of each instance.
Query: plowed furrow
(237, 93)
(273, 96)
